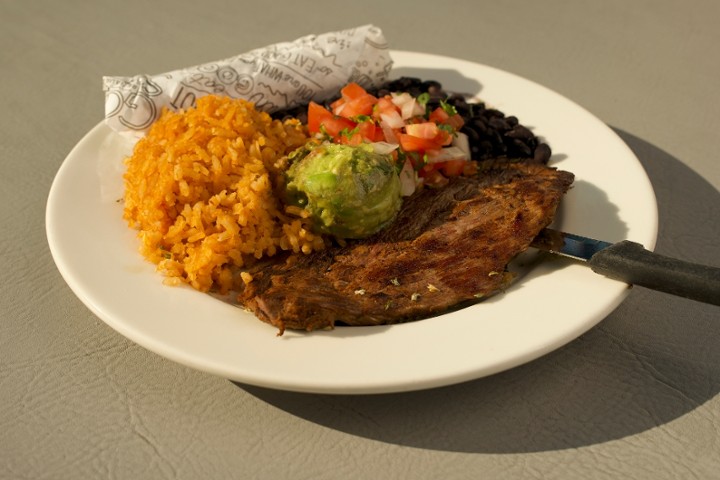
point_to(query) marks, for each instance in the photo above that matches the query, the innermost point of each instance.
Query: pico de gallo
(426, 143)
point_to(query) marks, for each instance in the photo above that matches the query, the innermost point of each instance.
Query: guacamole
(349, 191)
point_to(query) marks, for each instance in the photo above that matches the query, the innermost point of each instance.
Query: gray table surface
(635, 397)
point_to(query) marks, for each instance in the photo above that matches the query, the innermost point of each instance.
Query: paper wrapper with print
(276, 77)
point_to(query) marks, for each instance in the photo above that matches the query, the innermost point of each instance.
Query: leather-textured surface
(635, 397)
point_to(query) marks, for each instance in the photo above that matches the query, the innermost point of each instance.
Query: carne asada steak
(447, 247)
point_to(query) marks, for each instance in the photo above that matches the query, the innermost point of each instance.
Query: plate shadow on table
(648, 363)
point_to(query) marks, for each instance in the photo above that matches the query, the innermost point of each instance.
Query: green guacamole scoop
(349, 191)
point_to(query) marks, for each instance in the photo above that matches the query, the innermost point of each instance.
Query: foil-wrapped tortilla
(274, 77)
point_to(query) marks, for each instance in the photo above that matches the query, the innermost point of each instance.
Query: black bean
(486, 147)
(519, 132)
(456, 100)
(520, 148)
(542, 153)
(498, 123)
(474, 134)
(431, 84)
(479, 124)
(493, 113)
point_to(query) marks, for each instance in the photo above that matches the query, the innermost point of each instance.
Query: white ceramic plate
(554, 302)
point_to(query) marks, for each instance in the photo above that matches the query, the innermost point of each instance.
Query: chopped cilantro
(449, 109)
(448, 128)
(324, 132)
(416, 160)
(347, 133)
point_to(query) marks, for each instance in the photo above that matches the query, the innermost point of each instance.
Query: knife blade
(631, 263)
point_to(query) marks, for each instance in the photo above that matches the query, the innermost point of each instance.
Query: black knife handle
(630, 262)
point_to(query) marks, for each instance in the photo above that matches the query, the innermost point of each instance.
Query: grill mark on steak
(447, 247)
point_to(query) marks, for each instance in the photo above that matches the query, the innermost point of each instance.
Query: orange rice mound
(199, 188)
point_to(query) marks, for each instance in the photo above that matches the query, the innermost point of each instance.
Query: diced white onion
(338, 110)
(408, 179)
(408, 105)
(462, 142)
(446, 154)
(383, 148)
(412, 109)
(401, 99)
(423, 130)
(406, 111)
(392, 119)
(388, 132)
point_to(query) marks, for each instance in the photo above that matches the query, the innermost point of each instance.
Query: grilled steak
(448, 247)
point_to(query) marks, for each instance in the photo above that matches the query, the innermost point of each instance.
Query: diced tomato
(411, 143)
(368, 131)
(316, 114)
(320, 118)
(429, 131)
(336, 125)
(362, 105)
(319, 115)
(363, 132)
(433, 178)
(438, 115)
(385, 105)
(470, 168)
(444, 137)
(351, 91)
(426, 130)
(424, 136)
(456, 121)
(349, 138)
(336, 104)
(354, 101)
(452, 168)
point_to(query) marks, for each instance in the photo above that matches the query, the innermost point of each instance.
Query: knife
(630, 262)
